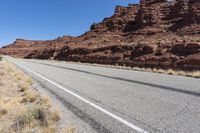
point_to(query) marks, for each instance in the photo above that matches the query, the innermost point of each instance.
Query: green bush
(0, 58)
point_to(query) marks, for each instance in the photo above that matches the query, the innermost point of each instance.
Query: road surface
(121, 101)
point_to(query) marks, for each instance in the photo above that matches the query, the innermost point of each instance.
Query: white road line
(130, 125)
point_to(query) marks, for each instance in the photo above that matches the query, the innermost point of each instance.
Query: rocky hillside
(22, 48)
(154, 33)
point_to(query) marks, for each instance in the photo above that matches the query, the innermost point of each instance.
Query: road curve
(121, 101)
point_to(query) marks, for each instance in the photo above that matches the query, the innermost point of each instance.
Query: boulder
(143, 50)
(194, 11)
(185, 49)
(190, 62)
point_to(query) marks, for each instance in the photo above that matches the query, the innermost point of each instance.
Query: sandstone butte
(154, 33)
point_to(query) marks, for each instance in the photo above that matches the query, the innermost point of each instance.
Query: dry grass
(21, 108)
(194, 74)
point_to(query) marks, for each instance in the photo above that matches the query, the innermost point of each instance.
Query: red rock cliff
(154, 33)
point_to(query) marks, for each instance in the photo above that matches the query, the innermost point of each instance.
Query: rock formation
(154, 33)
(149, 15)
(181, 8)
(194, 11)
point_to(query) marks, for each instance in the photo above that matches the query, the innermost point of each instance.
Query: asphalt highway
(121, 101)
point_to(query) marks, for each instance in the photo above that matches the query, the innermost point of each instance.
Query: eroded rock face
(148, 15)
(154, 33)
(23, 48)
(194, 11)
(150, 2)
(181, 8)
(185, 49)
(123, 17)
(143, 50)
(190, 62)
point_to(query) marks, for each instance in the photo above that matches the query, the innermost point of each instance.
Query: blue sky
(48, 19)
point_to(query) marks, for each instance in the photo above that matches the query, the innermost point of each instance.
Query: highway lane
(150, 102)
